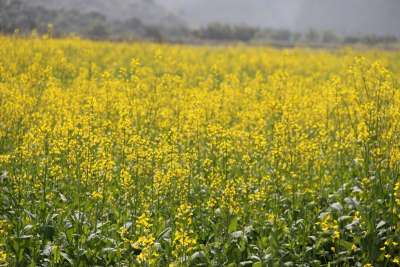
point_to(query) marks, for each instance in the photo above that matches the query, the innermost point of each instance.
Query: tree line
(18, 16)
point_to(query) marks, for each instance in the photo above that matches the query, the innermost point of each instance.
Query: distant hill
(281, 23)
(147, 11)
(97, 19)
(346, 17)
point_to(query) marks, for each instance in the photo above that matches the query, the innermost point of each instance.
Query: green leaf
(198, 258)
(246, 263)
(233, 225)
(380, 224)
(345, 244)
(237, 234)
(67, 258)
(63, 198)
(165, 235)
(337, 206)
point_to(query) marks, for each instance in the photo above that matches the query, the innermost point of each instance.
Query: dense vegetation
(19, 16)
(155, 155)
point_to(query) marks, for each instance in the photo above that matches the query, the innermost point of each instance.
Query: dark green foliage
(225, 32)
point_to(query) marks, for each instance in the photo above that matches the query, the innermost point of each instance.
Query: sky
(381, 17)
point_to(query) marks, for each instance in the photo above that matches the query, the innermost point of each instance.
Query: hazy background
(341, 16)
(244, 20)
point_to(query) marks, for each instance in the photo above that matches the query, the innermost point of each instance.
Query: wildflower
(3, 258)
(123, 231)
(96, 195)
(397, 193)
(271, 218)
(336, 235)
(144, 221)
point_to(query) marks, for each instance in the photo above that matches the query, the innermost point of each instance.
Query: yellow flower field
(140, 154)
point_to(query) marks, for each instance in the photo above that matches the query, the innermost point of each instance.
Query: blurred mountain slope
(147, 11)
